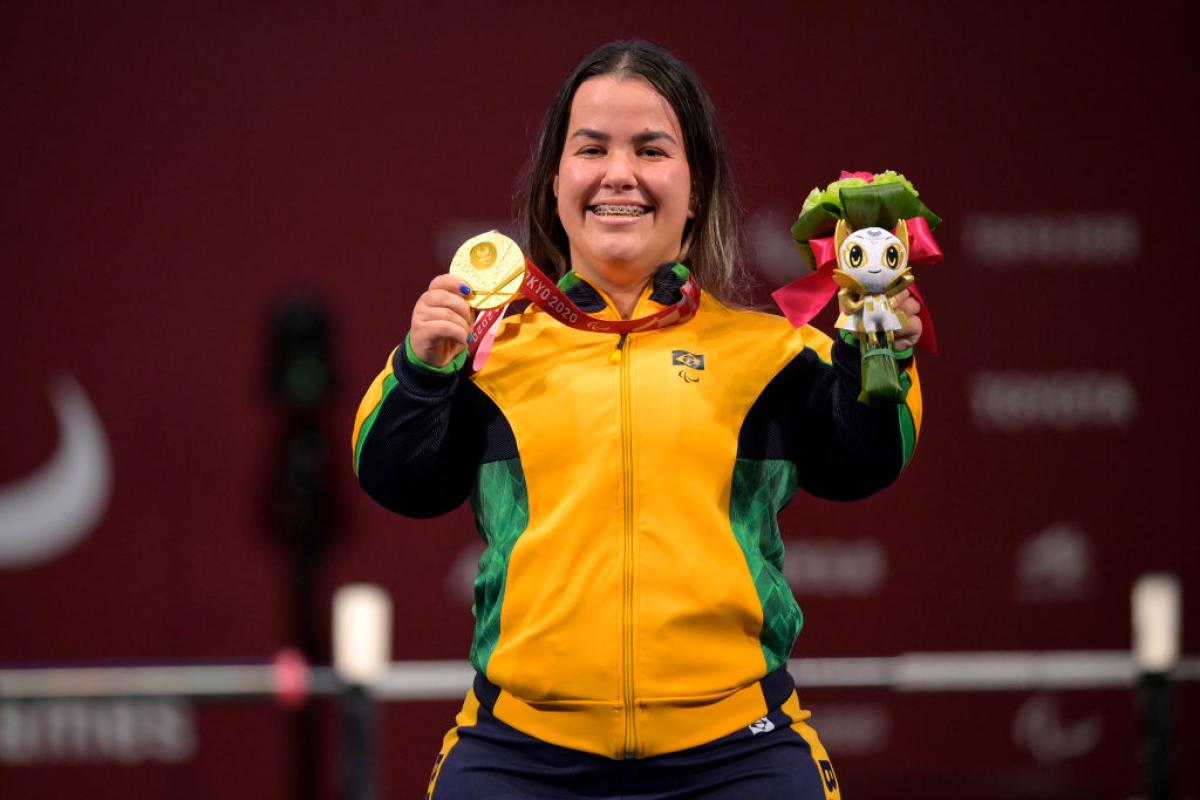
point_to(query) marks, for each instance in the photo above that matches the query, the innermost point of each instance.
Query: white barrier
(449, 680)
(362, 675)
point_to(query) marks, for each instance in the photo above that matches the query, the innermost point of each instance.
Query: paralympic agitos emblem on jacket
(689, 364)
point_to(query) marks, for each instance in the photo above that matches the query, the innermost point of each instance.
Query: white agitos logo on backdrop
(48, 512)
(1041, 728)
(1056, 564)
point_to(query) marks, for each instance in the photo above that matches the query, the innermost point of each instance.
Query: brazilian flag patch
(682, 358)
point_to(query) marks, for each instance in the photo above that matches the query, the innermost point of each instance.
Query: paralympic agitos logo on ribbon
(689, 364)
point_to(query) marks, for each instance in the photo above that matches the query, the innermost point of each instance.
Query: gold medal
(493, 266)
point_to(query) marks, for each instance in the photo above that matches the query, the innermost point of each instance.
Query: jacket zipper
(623, 348)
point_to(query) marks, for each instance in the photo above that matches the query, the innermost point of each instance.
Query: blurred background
(215, 220)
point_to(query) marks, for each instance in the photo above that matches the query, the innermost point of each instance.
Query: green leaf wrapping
(881, 206)
(877, 204)
(880, 378)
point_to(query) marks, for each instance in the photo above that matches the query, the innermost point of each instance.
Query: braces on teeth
(614, 211)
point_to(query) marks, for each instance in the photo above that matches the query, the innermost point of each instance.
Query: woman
(632, 622)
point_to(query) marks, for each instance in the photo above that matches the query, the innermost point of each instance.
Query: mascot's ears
(901, 233)
(840, 233)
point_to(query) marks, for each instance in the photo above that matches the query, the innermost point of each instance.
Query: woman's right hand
(441, 321)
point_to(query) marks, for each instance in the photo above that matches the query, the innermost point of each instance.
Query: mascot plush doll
(860, 235)
(872, 269)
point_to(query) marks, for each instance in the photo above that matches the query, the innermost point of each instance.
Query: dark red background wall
(169, 174)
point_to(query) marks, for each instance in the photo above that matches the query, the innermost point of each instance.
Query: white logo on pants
(763, 725)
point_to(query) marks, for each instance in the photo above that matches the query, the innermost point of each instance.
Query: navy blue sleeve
(423, 448)
(809, 414)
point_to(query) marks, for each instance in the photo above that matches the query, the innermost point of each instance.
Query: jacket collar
(664, 289)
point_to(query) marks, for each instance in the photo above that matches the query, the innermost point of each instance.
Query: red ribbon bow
(803, 299)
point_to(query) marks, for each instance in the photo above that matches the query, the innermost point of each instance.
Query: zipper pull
(615, 356)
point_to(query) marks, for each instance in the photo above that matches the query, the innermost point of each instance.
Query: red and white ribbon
(545, 294)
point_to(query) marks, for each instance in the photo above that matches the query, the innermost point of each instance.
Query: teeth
(609, 210)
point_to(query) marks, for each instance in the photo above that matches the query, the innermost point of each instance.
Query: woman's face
(623, 184)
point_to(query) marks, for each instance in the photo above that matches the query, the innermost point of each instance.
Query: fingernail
(470, 338)
(466, 290)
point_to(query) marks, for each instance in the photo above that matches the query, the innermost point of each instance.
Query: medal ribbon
(546, 295)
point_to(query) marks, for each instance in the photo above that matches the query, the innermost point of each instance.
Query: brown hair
(711, 239)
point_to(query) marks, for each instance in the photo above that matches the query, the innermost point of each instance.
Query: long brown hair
(711, 241)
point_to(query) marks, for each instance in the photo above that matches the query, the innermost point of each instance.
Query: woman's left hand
(907, 336)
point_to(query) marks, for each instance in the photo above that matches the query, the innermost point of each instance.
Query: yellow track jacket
(630, 601)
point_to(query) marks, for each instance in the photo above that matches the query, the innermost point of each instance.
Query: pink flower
(866, 176)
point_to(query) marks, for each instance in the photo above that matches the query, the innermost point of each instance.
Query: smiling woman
(633, 624)
(667, 120)
(623, 186)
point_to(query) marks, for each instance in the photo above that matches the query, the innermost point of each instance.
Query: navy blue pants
(769, 760)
